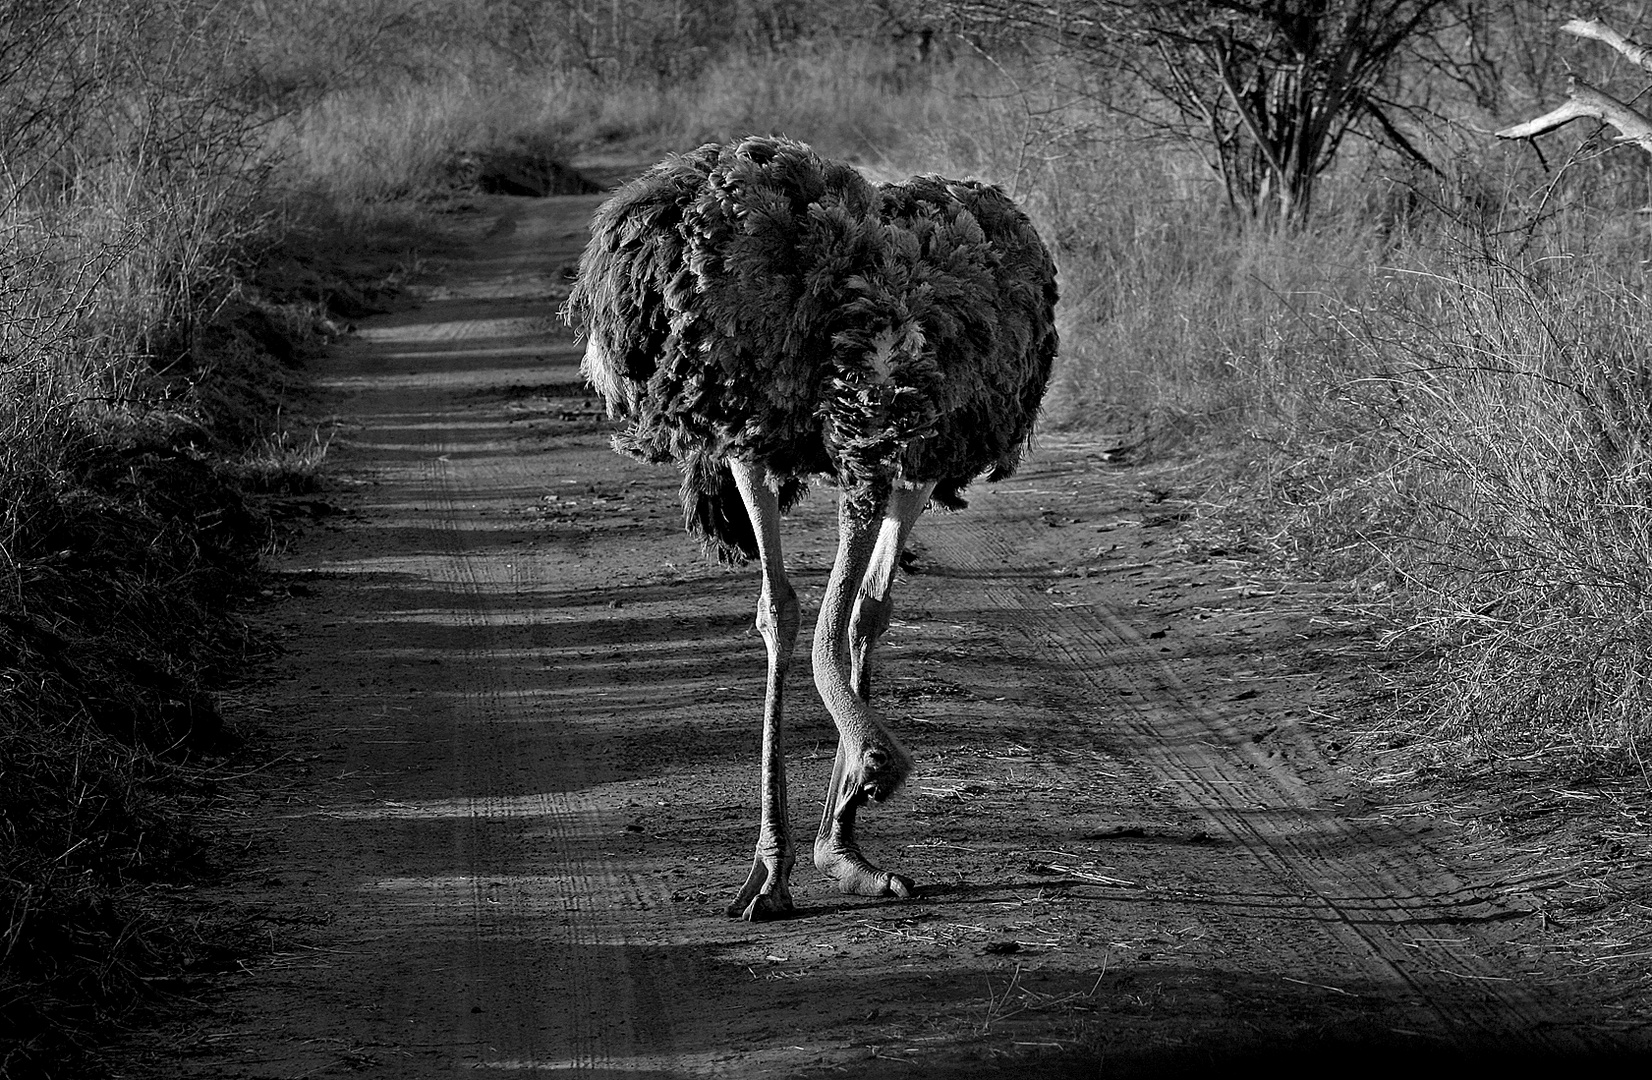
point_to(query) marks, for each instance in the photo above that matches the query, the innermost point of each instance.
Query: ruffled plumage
(757, 301)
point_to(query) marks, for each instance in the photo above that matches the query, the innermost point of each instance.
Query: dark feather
(757, 301)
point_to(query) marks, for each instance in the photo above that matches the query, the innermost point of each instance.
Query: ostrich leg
(875, 603)
(767, 892)
(870, 762)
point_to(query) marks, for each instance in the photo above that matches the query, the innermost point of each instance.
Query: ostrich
(761, 316)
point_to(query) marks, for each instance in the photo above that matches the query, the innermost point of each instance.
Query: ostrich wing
(982, 285)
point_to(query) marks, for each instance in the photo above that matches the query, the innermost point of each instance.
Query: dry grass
(402, 137)
(1477, 463)
(1530, 465)
(136, 383)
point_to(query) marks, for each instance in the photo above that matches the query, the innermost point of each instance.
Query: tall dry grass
(1489, 459)
(400, 137)
(131, 172)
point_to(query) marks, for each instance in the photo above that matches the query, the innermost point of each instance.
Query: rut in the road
(1389, 905)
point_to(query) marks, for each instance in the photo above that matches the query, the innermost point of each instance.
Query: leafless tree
(1269, 90)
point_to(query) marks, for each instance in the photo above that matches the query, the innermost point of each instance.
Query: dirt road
(521, 720)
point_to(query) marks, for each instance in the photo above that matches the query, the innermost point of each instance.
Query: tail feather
(715, 514)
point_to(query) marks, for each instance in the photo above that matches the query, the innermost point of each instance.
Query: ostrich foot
(845, 864)
(766, 895)
(878, 769)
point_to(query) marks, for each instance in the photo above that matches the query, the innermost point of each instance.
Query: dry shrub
(1479, 463)
(1531, 454)
(129, 382)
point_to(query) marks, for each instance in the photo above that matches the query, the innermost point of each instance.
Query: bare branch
(1586, 101)
(1638, 54)
(1224, 72)
(1268, 88)
(1396, 137)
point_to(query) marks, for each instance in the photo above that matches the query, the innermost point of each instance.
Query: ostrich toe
(842, 862)
(765, 896)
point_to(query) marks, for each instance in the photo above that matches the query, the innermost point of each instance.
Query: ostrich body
(761, 316)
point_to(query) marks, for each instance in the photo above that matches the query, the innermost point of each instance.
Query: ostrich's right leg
(767, 892)
(870, 762)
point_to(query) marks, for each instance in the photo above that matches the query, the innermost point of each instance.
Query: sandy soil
(515, 728)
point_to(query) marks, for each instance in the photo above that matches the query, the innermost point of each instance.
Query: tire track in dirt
(592, 1008)
(1386, 903)
(503, 914)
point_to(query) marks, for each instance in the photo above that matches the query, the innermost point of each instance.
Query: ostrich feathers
(757, 301)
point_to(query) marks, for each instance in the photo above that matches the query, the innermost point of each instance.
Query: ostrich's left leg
(767, 892)
(876, 600)
(870, 762)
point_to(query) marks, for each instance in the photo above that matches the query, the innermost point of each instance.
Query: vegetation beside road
(156, 303)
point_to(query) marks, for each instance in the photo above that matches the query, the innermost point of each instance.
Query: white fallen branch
(1584, 101)
(1637, 53)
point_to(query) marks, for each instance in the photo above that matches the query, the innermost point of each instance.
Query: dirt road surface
(515, 729)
